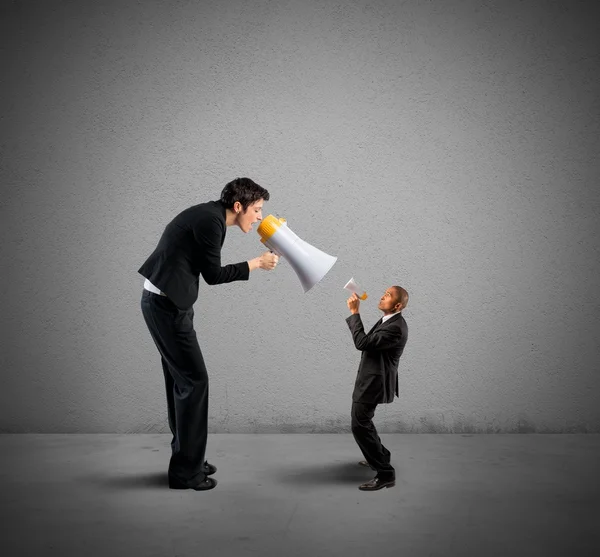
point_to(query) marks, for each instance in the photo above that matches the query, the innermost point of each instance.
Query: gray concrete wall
(450, 147)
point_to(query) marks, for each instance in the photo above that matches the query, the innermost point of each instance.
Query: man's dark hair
(401, 295)
(245, 191)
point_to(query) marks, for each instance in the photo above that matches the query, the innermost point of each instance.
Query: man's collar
(389, 316)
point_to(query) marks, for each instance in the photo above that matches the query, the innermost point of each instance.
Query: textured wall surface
(450, 147)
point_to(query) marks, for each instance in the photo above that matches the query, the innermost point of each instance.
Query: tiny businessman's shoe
(376, 484)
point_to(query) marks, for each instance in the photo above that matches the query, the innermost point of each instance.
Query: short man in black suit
(190, 246)
(377, 379)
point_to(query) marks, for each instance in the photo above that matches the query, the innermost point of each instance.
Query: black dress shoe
(209, 469)
(208, 483)
(366, 464)
(377, 483)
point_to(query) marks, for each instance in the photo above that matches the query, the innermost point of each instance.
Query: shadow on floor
(302, 475)
(333, 473)
(133, 481)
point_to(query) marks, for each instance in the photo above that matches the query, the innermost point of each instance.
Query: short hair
(244, 190)
(401, 295)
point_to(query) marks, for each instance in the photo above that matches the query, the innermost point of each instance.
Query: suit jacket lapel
(395, 316)
(375, 326)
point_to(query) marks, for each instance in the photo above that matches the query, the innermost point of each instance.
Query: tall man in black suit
(190, 246)
(377, 378)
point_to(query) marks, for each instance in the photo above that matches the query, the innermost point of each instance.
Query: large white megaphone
(353, 287)
(309, 263)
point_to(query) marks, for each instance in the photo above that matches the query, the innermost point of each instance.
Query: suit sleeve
(208, 234)
(380, 339)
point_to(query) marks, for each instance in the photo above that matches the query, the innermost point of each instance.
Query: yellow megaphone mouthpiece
(268, 226)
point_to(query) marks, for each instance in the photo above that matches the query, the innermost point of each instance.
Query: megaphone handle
(271, 249)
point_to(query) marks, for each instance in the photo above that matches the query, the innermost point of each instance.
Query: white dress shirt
(150, 287)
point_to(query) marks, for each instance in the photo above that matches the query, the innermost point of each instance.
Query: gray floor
(296, 495)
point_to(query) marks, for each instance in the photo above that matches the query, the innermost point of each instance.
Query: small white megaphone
(309, 263)
(353, 287)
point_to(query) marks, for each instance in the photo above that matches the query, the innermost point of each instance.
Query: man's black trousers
(369, 442)
(186, 382)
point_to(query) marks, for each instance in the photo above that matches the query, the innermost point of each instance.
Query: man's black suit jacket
(190, 246)
(377, 377)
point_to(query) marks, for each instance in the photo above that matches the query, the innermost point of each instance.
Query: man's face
(388, 302)
(253, 214)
